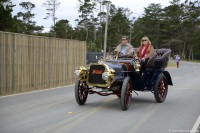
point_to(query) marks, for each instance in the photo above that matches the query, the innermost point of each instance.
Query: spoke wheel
(126, 93)
(81, 92)
(161, 89)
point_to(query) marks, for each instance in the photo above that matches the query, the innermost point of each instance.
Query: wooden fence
(30, 63)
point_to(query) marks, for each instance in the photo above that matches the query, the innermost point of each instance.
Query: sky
(68, 9)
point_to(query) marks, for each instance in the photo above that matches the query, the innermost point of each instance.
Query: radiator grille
(95, 74)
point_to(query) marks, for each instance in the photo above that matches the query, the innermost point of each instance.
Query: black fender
(169, 79)
(153, 79)
(158, 73)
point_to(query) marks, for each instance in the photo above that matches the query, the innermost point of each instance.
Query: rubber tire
(161, 83)
(81, 93)
(126, 93)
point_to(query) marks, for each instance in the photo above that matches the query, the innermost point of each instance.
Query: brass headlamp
(81, 73)
(108, 75)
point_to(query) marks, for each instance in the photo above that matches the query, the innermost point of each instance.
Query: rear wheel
(81, 92)
(126, 93)
(161, 89)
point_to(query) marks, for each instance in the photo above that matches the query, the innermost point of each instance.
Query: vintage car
(121, 76)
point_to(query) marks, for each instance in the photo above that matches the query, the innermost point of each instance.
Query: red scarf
(140, 54)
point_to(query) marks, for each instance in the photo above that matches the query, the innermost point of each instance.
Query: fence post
(14, 64)
(64, 62)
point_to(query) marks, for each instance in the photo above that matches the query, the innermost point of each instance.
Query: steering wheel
(117, 54)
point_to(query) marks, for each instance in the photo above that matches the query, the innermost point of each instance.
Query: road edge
(35, 91)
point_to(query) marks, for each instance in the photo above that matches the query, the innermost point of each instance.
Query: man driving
(125, 48)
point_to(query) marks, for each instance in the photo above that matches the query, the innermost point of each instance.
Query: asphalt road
(56, 110)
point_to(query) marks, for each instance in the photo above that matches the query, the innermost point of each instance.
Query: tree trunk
(184, 45)
(54, 18)
(87, 34)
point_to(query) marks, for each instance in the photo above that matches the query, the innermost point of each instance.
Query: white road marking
(196, 125)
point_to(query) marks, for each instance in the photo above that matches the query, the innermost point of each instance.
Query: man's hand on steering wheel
(121, 54)
(117, 53)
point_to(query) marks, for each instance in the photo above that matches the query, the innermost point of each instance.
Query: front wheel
(81, 92)
(126, 93)
(161, 89)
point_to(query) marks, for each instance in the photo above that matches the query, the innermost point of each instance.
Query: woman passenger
(144, 52)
